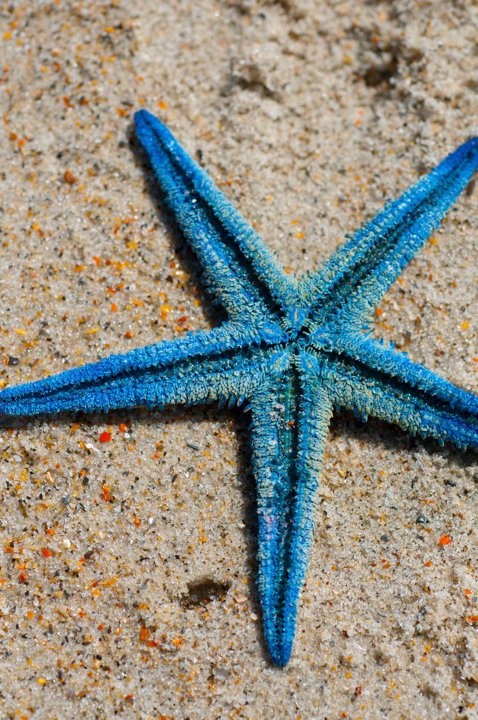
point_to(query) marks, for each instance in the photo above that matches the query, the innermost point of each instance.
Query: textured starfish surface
(293, 352)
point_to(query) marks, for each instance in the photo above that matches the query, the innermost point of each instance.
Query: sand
(127, 566)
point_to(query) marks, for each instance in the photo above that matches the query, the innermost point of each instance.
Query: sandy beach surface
(127, 540)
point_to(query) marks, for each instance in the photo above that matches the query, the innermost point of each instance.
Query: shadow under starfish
(293, 351)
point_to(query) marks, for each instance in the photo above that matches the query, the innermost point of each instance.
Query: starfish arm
(365, 392)
(239, 269)
(356, 277)
(195, 368)
(290, 420)
(374, 355)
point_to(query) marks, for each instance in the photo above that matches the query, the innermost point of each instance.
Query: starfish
(292, 352)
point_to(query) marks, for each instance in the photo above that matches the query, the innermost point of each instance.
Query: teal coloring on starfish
(292, 352)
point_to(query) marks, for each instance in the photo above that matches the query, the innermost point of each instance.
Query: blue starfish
(293, 351)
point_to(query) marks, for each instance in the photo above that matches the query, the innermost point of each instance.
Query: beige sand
(308, 114)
